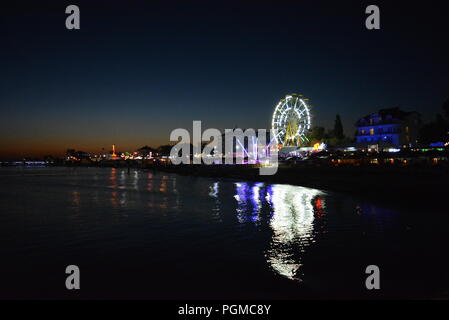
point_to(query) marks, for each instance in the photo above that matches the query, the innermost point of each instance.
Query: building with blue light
(388, 127)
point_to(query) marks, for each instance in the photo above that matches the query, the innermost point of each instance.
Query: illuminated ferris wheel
(291, 121)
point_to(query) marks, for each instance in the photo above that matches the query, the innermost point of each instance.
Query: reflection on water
(127, 188)
(292, 210)
(75, 199)
(248, 201)
(213, 192)
(178, 232)
(293, 227)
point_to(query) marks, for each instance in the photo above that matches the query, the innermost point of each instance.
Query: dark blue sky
(138, 69)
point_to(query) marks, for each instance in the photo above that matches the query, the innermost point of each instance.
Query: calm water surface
(155, 235)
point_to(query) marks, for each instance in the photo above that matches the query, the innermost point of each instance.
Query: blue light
(437, 144)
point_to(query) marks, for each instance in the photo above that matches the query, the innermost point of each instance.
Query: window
(371, 131)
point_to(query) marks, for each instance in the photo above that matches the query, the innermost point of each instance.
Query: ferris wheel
(291, 121)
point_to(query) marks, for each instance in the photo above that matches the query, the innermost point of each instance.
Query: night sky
(138, 69)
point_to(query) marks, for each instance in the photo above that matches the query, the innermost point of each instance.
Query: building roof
(390, 115)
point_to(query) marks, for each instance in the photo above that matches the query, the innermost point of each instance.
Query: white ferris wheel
(291, 121)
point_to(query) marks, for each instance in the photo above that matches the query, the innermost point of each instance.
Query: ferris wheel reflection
(293, 216)
(294, 212)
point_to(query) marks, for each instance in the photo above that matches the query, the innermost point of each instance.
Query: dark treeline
(436, 130)
(333, 137)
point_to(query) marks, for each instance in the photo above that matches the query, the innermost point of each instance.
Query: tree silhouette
(338, 128)
(317, 134)
(434, 131)
(446, 108)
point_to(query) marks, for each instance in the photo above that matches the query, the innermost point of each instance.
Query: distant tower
(113, 151)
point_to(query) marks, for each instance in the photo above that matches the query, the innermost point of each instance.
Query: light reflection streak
(213, 192)
(114, 186)
(150, 182)
(293, 213)
(163, 185)
(249, 202)
(255, 199)
(293, 228)
(241, 197)
(136, 180)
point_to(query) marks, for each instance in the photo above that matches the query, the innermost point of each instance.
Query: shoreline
(414, 186)
(423, 187)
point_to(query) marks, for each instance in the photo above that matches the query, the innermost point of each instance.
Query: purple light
(242, 147)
